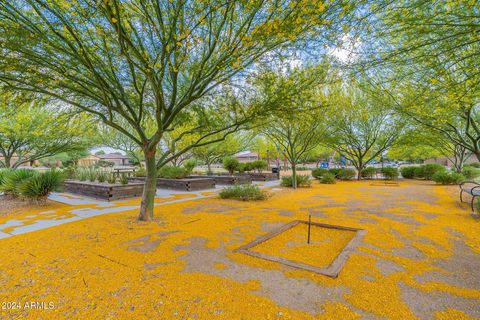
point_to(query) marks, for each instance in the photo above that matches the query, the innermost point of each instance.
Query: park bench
(470, 187)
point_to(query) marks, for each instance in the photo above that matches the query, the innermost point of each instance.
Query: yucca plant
(101, 176)
(124, 179)
(92, 174)
(13, 178)
(39, 186)
(111, 178)
(82, 175)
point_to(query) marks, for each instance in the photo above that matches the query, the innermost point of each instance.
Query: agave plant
(92, 174)
(124, 179)
(101, 176)
(39, 186)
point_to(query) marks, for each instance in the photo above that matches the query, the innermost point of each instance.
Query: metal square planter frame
(331, 271)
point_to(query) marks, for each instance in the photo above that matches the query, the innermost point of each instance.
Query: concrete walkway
(90, 207)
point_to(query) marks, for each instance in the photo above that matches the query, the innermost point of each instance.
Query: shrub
(92, 174)
(39, 186)
(446, 177)
(470, 172)
(248, 166)
(347, 174)
(231, 164)
(172, 172)
(475, 165)
(390, 173)
(408, 172)
(335, 172)
(13, 178)
(302, 181)
(427, 171)
(190, 165)
(140, 172)
(101, 176)
(328, 178)
(111, 178)
(318, 172)
(124, 179)
(105, 164)
(259, 165)
(244, 192)
(368, 172)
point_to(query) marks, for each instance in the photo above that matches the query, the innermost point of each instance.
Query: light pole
(268, 159)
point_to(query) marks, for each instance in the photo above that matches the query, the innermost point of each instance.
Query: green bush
(368, 172)
(259, 165)
(408, 172)
(104, 164)
(318, 172)
(446, 177)
(172, 172)
(140, 172)
(231, 164)
(470, 172)
(475, 165)
(190, 165)
(111, 178)
(244, 192)
(302, 181)
(328, 178)
(101, 176)
(347, 174)
(335, 172)
(390, 173)
(13, 178)
(39, 186)
(427, 171)
(124, 178)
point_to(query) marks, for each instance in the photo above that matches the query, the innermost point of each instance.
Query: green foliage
(244, 192)
(231, 164)
(173, 172)
(447, 177)
(470, 172)
(111, 178)
(335, 172)
(190, 165)
(259, 165)
(475, 164)
(368, 172)
(102, 176)
(328, 178)
(427, 171)
(347, 174)
(92, 174)
(302, 181)
(247, 166)
(40, 185)
(389, 173)
(408, 172)
(12, 179)
(140, 172)
(105, 164)
(124, 178)
(318, 172)
(343, 174)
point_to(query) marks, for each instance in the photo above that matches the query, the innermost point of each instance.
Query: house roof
(111, 156)
(246, 154)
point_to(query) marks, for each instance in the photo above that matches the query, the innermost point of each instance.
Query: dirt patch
(12, 206)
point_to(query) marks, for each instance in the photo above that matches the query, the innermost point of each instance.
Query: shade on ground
(419, 259)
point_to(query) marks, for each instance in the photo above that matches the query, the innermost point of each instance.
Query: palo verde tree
(362, 126)
(31, 130)
(298, 132)
(215, 152)
(148, 62)
(428, 53)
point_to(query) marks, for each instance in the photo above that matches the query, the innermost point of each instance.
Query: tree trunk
(359, 169)
(7, 161)
(294, 175)
(150, 188)
(209, 168)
